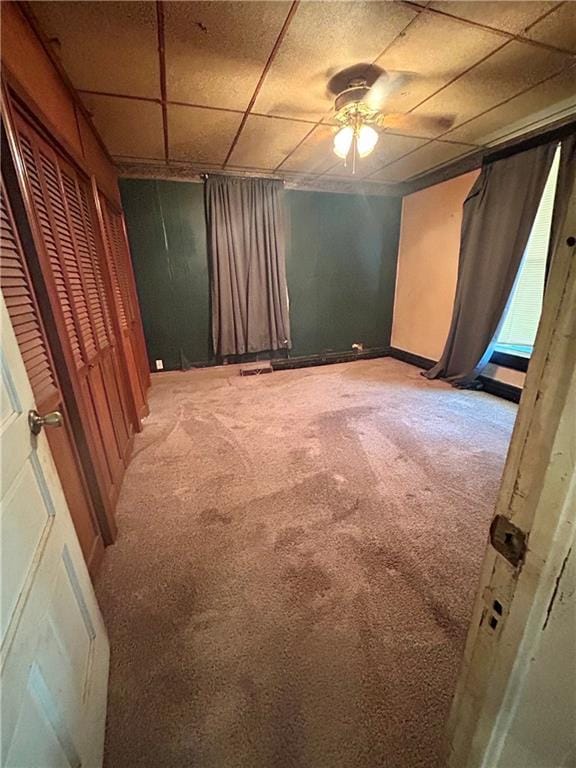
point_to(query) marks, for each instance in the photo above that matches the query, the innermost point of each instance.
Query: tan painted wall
(427, 266)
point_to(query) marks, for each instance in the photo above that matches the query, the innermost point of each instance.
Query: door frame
(534, 496)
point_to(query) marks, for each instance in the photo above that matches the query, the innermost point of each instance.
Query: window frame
(517, 362)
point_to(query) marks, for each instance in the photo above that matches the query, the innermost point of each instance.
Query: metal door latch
(508, 540)
(36, 422)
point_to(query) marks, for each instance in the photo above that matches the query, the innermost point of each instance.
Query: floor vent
(255, 369)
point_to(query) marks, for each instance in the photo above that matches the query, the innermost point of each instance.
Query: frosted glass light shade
(343, 141)
(367, 140)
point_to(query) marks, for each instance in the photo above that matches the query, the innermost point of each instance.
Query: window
(518, 331)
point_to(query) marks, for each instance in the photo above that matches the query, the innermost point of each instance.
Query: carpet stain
(213, 516)
(288, 537)
(347, 511)
(305, 582)
(296, 562)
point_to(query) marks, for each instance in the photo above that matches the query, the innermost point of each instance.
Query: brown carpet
(295, 569)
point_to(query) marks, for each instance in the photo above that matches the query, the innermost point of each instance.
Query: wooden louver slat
(103, 317)
(114, 264)
(50, 243)
(121, 255)
(23, 311)
(87, 255)
(70, 257)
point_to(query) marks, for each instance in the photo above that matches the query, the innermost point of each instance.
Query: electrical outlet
(159, 365)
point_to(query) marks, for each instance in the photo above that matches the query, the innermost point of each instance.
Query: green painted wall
(166, 229)
(341, 269)
(340, 262)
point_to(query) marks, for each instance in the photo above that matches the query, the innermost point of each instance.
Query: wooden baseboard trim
(327, 358)
(409, 357)
(492, 386)
(500, 389)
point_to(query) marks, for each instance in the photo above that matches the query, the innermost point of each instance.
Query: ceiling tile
(111, 47)
(364, 167)
(265, 141)
(216, 51)
(389, 148)
(423, 159)
(128, 127)
(323, 38)
(554, 95)
(201, 135)
(423, 53)
(511, 17)
(558, 28)
(315, 154)
(510, 70)
(392, 146)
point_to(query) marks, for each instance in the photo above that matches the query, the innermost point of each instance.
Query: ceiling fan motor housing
(354, 93)
(351, 103)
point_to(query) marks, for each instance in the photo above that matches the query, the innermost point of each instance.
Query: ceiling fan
(361, 92)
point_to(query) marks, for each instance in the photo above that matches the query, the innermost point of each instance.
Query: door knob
(36, 422)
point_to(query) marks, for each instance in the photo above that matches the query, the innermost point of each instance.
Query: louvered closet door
(24, 313)
(105, 354)
(72, 270)
(127, 311)
(138, 331)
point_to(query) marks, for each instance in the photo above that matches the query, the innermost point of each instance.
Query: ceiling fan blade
(384, 87)
(417, 124)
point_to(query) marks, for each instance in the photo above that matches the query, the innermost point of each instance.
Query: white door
(54, 649)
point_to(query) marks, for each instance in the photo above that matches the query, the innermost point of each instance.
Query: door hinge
(508, 540)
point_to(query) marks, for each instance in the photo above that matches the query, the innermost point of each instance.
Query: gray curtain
(246, 241)
(564, 185)
(498, 216)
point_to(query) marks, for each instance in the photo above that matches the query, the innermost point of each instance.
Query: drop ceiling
(175, 88)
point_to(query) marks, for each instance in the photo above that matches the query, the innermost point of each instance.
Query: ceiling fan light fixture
(343, 141)
(366, 140)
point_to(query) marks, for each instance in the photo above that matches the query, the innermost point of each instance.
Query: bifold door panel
(124, 297)
(30, 334)
(73, 265)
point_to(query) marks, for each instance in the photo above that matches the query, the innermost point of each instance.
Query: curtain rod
(530, 140)
(205, 176)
